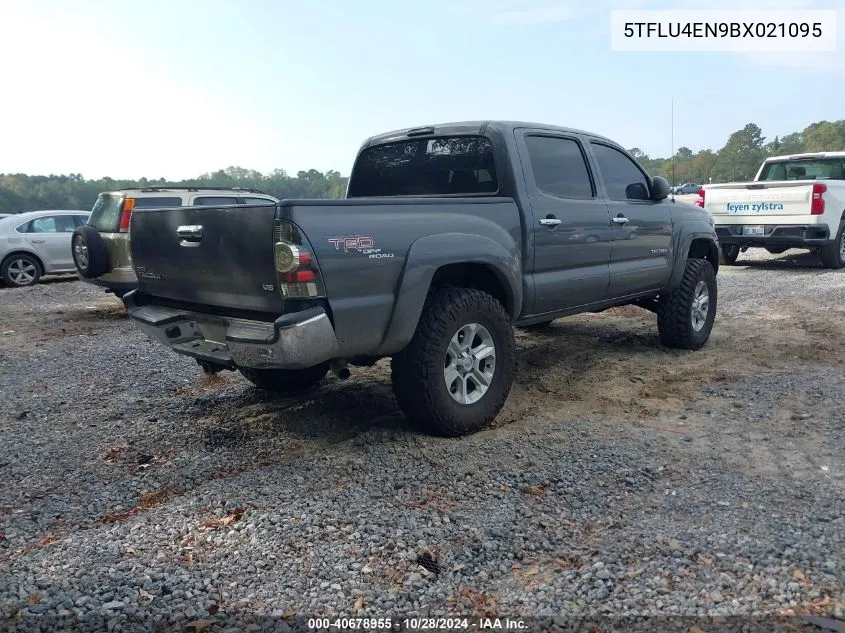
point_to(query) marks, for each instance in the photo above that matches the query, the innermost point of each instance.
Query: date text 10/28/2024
(416, 624)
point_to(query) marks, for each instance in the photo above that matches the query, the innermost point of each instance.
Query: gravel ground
(624, 479)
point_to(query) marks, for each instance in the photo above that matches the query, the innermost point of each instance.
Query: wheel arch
(457, 260)
(23, 251)
(697, 243)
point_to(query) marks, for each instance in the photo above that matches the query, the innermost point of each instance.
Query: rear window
(105, 216)
(449, 165)
(814, 169)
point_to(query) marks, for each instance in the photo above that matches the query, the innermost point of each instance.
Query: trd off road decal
(359, 244)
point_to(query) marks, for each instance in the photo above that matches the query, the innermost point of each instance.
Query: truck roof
(806, 155)
(473, 127)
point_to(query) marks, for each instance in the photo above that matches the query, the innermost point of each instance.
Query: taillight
(700, 201)
(126, 214)
(296, 268)
(817, 204)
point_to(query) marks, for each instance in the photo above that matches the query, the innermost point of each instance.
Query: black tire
(675, 311)
(285, 381)
(418, 372)
(20, 270)
(728, 254)
(833, 254)
(90, 255)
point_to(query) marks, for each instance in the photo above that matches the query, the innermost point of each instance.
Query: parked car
(686, 189)
(37, 243)
(795, 201)
(101, 248)
(448, 237)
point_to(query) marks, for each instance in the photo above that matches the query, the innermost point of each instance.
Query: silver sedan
(37, 243)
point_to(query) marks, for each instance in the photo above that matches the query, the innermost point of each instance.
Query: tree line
(741, 156)
(739, 159)
(20, 192)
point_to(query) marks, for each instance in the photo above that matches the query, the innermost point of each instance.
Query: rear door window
(258, 201)
(442, 166)
(559, 167)
(52, 224)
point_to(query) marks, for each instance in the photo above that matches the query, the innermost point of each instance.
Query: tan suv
(101, 247)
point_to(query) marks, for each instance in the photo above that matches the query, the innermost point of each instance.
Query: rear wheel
(833, 254)
(729, 254)
(454, 376)
(285, 381)
(685, 315)
(90, 255)
(21, 270)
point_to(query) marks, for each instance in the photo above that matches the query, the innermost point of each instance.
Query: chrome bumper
(294, 341)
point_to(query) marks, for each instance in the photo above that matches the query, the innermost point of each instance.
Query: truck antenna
(672, 189)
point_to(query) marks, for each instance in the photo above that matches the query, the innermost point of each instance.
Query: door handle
(620, 219)
(37, 241)
(190, 232)
(550, 221)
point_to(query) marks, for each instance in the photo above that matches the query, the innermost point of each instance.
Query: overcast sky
(173, 89)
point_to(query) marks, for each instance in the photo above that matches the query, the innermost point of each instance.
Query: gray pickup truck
(449, 236)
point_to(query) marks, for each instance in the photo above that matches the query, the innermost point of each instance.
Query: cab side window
(622, 178)
(559, 167)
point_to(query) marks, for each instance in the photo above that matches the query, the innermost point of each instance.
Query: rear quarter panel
(378, 256)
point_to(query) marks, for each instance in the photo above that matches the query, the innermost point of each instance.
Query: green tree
(825, 137)
(741, 156)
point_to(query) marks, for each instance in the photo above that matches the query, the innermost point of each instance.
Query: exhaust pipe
(340, 369)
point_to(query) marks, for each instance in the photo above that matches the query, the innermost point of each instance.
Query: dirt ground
(776, 314)
(752, 422)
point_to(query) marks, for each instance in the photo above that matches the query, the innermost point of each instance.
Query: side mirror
(660, 189)
(636, 191)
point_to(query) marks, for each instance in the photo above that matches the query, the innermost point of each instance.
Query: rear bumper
(294, 341)
(776, 235)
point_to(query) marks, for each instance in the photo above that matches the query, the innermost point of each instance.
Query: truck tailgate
(220, 256)
(775, 198)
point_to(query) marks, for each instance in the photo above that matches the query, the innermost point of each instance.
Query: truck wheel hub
(470, 363)
(700, 306)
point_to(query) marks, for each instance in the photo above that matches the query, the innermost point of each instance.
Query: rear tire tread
(728, 254)
(831, 254)
(417, 371)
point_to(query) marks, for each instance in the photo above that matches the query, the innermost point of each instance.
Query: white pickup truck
(794, 201)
